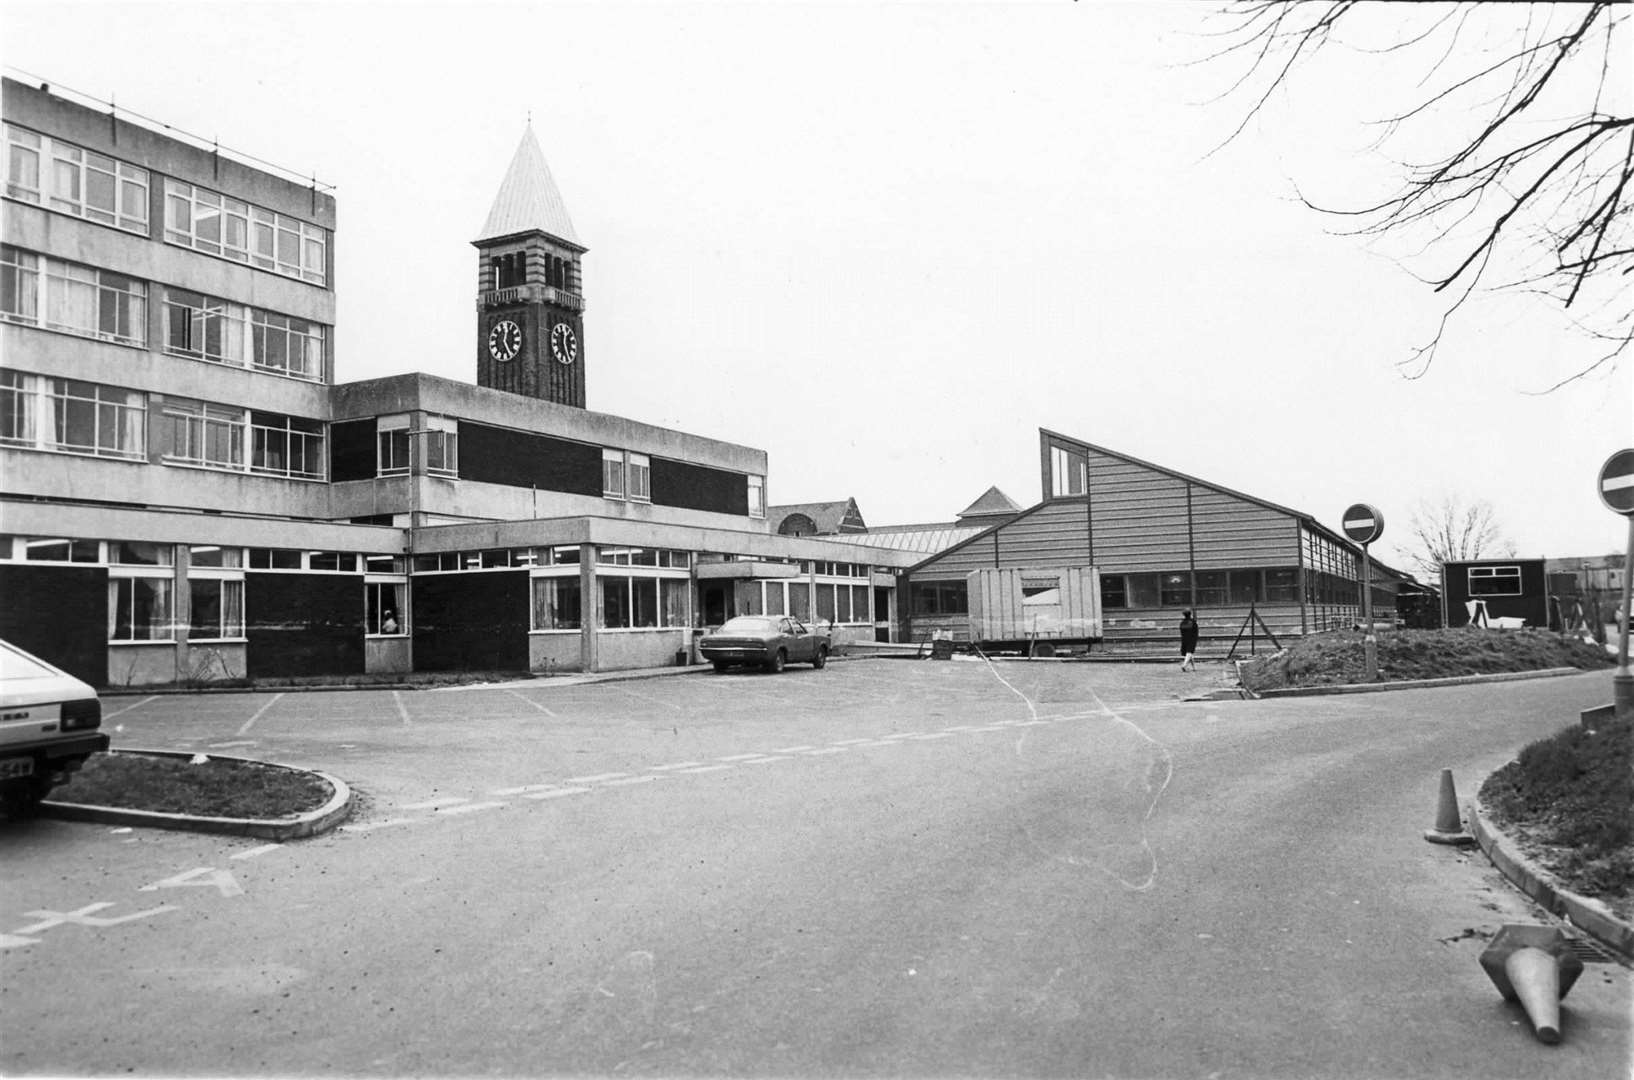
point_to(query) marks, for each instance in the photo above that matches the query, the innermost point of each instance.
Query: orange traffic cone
(1535, 966)
(1449, 827)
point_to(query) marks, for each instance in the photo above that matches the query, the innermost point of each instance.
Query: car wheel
(23, 800)
(720, 665)
(775, 664)
(821, 659)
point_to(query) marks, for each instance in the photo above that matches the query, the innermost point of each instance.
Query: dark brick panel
(304, 624)
(352, 450)
(698, 487)
(60, 614)
(501, 456)
(471, 622)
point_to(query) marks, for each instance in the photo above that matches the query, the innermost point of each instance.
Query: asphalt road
(884, 868)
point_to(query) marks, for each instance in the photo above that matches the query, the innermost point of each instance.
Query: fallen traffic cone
(1535, 966)
(1449, 828)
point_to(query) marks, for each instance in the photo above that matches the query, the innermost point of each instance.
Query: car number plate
(11, 768)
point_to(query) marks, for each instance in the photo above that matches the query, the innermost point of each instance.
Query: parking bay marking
(222, 880)
(258, 713)
(596, 779)
(255, 852)
(81, 917)
(529, 701)
(128, 708)
(556, 793)
(467, 808)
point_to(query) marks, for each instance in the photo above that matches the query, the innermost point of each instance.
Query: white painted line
(524, 789)
(960, 727)
(989, 727)
(904, 735)
(598, 778)
(256, 852)
(128, 708)
(1028, 723)
(848, 742)
(468, 808)
(245, 729)
(739, 757)
(827, 750)
(628, 780)
(402, 710)
(387, 823)
(435, 804)
(794, 749)
(675, 765)
(934, 735)
(557, 793)
(230, 745)
(707, 768)
(764, 760)
(878, 742)
(528, 701)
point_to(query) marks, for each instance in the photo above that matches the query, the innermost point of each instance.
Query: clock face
(564, 344)
(504, 340)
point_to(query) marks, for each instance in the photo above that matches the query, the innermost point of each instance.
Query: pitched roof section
(828, 517)
(528, 200)
(992, 502)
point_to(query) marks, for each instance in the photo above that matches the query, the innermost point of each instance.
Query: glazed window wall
(938, 598)
(1069, 472)
(205, 328)
(1202, 588)
(75, 299)
(68, 178)
(217, 224)
(220, 437)
(657, 597)
(757, 496)
(71, 416)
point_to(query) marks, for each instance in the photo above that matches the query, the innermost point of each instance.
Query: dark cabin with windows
(1162, 542)
(1502, 588)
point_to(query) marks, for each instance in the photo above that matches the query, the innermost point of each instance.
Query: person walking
(1188, 642)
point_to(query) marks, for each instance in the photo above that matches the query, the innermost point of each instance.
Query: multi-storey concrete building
(186, 493)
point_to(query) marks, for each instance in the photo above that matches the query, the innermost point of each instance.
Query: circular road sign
(1617, 482)
(1362, 523)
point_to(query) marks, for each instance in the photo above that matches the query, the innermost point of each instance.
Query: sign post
(1617, 492)
(1363, 524)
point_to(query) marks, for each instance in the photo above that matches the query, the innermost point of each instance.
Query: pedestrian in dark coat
(1188, 642)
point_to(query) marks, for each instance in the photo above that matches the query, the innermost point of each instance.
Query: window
(1143, 590)
(394, 444)
(17, 409)
(1112, 591)
(757, 496)
(206, 221)
(615, 603)
(1069, 472)
(1176, 588)
(286, 446)
(442, 446)
(202, 434)
(639, 475)
(938, 598)
(204, 328)
(1245, 587)
(54, 550)
(72, 298)
(139, 608)
(612, 474)
(1495, 581)
(140, 553)
(216, 608)
(216, 557)
(385, 612)
(285, 345)
(1282, 586)
(556, 603)
(341, 562)
(1211, 588)
(77, 181)
(76, 417)
(275, 559)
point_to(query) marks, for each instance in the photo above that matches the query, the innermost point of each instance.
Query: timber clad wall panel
(1140, 517)
(1232, 532)
(74, 633)
(1056, 534)
(979, 554)
(304, 624)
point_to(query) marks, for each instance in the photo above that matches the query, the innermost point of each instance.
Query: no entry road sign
(1617, 482)
(1362, 523)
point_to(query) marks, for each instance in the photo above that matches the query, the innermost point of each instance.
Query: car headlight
(82, 715)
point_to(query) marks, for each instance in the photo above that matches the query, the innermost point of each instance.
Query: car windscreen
(748, 624)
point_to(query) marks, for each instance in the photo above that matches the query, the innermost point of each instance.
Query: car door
(801, 643)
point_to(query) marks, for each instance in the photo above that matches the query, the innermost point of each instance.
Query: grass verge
(1339, 657)
(215, 787)
(1569, 802)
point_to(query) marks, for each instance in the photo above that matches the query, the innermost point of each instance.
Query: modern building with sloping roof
(1163, 542)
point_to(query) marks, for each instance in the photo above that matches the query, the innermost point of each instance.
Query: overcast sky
(887, 243)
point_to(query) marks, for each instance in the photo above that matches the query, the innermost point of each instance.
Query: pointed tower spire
(528, 200)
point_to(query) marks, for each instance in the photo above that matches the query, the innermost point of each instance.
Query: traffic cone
(1535, 966)
(1449, 827)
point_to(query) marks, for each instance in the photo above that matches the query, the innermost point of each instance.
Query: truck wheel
(775, 664)
(821, 659)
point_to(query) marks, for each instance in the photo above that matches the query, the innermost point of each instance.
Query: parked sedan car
(767, 640)
(48, 727)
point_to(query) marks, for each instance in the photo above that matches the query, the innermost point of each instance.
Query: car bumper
(736, 654)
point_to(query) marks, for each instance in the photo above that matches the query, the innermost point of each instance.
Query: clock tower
(530, 300)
